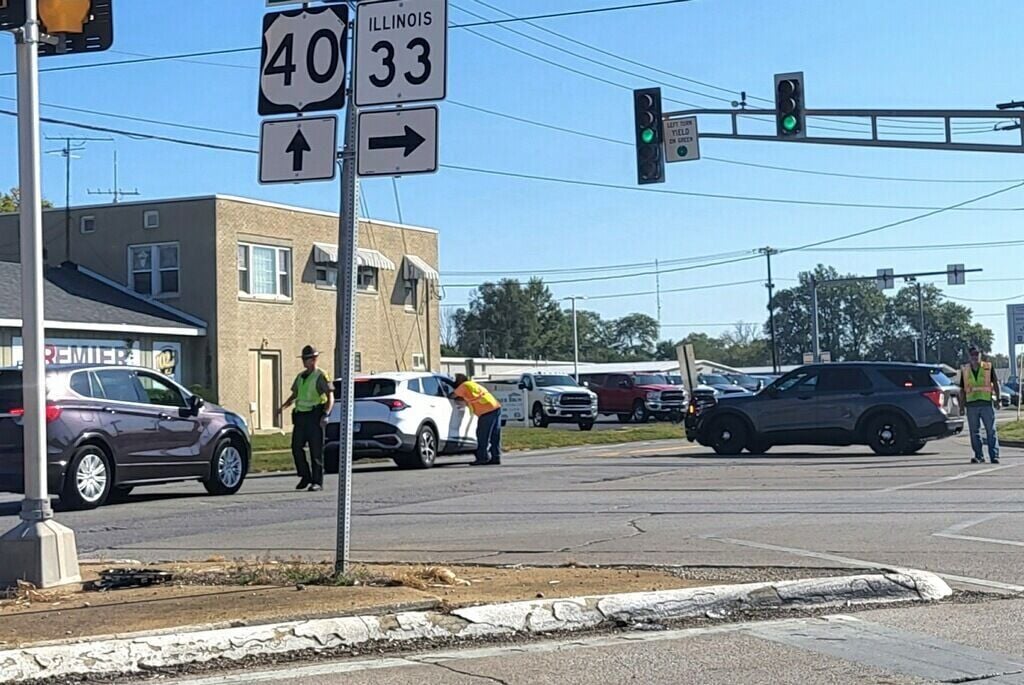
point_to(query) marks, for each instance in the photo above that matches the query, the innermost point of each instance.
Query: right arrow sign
(398, 142)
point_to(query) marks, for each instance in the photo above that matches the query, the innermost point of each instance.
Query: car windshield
(374, 387)
(715, 379)
(551, 381)
(743, 379)
(674, 380)
(10, 390)
(648, 379)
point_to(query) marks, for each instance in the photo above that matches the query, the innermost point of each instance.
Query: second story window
(154, 269)
(367, 279)
(265, 272)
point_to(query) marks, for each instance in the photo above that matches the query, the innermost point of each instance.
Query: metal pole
(771, 311)
(38, 550)
(575, 344)
(67, 200)
(348, 238)
(923, 358)
(815, 337)
(1020, 380)
(657, 287)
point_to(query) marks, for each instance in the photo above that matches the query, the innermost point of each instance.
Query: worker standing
(979, 393)
(313, 398)
(488, 419)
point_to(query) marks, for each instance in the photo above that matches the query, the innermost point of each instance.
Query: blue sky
(874, 53)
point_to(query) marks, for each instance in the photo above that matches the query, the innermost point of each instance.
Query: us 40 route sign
(303, 60)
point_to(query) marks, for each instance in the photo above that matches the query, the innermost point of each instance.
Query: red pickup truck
(636, 396)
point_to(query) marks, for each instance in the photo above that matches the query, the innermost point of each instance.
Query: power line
(674, 290)
(994, 299)
(572, 13)
(922, 248)
(605, 267)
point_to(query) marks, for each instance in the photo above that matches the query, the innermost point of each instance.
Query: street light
(575, 337)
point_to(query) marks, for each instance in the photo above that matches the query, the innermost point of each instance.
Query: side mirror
(522, 386)
(195, 403)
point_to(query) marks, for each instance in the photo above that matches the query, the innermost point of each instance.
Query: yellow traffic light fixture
(65, 16)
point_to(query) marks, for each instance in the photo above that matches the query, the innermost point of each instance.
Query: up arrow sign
(410, 141)
(297, 148)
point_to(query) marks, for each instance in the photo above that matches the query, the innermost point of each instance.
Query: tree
(636, 336)
(9, 202)
(509, 319)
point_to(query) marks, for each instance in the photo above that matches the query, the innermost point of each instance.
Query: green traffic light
(647, 135)
(789, 122)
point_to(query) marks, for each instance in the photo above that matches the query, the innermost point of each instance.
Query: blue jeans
(488, 437)
(978, 414)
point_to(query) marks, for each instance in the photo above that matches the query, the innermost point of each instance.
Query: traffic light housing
(13, 14)
(790, 110)
(78, 25)
(650, 155)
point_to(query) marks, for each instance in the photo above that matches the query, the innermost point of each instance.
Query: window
(846, 380)
(118, 386)
(414, 386)
(151, 219)
(801, 381)
(419, 362)
(87, 224)
(366, 279)
(409, 296)
(374, 387)
(159, 392)
(358, 362)
(81, 385)
(154, 269)
(432, 387)
(909, 377)
(265, 272)
(326, 277)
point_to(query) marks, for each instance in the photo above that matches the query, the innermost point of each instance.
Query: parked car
(410, 417)
(893, 408)
(749, 383)
(1012, 386)
(637, 396)
(557, 398)
(112, 428)
(721, 384)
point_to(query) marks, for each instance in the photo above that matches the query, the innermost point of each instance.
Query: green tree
(636, 336)
(510, 319)
(10, 201)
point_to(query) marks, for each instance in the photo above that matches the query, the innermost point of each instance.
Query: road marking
(953, 533)
(959, 476)
(849, 561)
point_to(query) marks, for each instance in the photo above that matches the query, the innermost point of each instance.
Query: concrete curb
(1011, 443)
(140, 652)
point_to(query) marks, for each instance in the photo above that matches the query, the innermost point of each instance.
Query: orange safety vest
(477, 397)
(978, 389)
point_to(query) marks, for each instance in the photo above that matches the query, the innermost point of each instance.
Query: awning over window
(327, 255)
(416, 268)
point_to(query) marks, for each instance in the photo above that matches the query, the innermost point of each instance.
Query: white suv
(410, 417)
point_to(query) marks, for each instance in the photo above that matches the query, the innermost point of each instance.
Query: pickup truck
(554, 398)
(637, 396)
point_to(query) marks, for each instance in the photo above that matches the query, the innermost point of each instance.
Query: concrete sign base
(39, 552)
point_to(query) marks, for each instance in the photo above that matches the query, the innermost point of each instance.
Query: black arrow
(298, 147)
(410, 141)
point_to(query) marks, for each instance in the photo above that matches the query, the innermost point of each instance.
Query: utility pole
(920, 308)
(38, 550)
(116, 193)
(72, 144)
(768, 252)
(575, 337)
(815, 335)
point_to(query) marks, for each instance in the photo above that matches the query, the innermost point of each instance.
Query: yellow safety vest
(309, 396)
(477, 396)
(978, 388)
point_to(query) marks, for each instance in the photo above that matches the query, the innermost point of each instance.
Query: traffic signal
(650, 156)
(790, 117)
(78, 25)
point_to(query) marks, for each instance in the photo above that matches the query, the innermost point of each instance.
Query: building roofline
(194, 320)
(112, 328)
(232, 198)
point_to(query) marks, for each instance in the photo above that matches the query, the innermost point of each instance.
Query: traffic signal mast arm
(894, 276)
(1015, 119)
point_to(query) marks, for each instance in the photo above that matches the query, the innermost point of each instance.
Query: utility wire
(572, 13)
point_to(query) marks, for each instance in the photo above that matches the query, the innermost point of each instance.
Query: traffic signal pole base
(38, 550)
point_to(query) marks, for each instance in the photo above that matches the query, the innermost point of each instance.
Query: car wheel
(227, 469)
(888, 435)
(757, 447)
(640, 414)
(586, 426)
(624, 418)
(424, 454)
(89, 479)
(915, 447)
(537, 417)
(728, 435)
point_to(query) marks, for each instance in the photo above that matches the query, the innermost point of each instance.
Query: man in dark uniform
(313, 398)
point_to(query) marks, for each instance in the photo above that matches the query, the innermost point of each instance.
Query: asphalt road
(657, 503)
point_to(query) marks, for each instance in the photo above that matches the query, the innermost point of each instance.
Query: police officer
(313, 398)
(979, 393)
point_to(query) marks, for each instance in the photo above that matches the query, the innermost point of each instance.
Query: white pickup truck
(552, 398)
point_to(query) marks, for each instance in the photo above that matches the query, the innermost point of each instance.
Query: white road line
(959, 476)
(849, 561)
(954, 532)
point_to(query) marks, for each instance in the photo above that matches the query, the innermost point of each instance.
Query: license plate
(356, 427)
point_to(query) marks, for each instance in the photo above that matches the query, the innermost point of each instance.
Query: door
(441, 410)
(841, 396)
(177, 448)
(463, 418)
(268, 391)
(131, 426)
(619, 393)
(790, 407)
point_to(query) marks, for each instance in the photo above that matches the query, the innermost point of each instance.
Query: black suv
(892, 408)
(109, 429)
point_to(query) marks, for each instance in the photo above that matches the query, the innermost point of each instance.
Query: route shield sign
(398, 142)
(401, 52)
(681, 142)
(297, 150)
(303, 60)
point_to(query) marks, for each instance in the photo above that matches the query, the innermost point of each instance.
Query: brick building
(258, 279)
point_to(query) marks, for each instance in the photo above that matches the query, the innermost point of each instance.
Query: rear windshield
(941, 378)
(913, 378)
(374, 387)
(10, 390)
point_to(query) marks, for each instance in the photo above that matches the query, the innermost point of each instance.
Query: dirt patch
(73, 614)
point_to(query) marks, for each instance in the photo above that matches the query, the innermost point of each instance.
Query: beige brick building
(259, 280)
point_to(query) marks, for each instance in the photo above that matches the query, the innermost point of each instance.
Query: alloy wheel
(91, 478)
(229, 466)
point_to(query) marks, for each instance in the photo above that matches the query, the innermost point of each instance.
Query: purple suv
(111, 428)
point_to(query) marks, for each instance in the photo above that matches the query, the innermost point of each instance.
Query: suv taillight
(52, 413)
(936, 396)
(394, 405)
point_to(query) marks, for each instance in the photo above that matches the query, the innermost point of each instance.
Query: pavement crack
(986, 676)
(632, 523)
(470, 674)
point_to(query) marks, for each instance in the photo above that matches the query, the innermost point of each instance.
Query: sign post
(38, 550)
